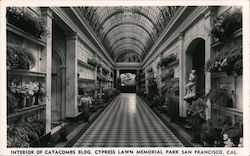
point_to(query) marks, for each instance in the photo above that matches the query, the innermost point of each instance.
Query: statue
(191, 86)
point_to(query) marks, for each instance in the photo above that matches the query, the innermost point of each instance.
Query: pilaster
(47, 17)
(71, 75)
(63, 72)
(182, 79)
(207, 22)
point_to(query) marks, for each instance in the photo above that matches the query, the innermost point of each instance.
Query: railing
(235, 114)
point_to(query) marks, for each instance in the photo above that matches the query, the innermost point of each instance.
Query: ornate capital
(181, 35)
(72, 36)
(46, 11)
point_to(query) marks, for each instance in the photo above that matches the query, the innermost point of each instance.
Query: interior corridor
(128, 122)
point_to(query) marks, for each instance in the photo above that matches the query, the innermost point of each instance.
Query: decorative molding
(26, 73)
(130, 65)
(19, 32)
(232, 111)
(27, 110)
(72, 36)
(86, 65)
(46, 11)
(67, 20)
(181, 35)
(84, 23)
(194, 16)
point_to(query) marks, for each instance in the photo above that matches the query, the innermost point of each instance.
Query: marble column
(160, 72)
(71, 75)
(137, 80)
(47, 16)
(63, 74)
(117, 77)
(182, 77)
(95, 75)
(207, 19)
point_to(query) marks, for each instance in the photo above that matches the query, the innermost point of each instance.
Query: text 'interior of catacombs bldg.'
(124, 76)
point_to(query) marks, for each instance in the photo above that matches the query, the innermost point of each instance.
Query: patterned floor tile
(128, 122)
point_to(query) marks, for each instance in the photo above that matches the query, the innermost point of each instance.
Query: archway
(57, 89)
(128, 81)
(195, 59)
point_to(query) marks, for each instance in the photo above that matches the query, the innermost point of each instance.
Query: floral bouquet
(41, 92)
(27, 90)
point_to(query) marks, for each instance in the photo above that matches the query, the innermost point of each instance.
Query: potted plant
(226, 24)
(172, 104)
(196, 117)
(168, 59)
(92, 62)
(152, 89)
(150, 70)
(213, 130)
(22, 19)
(229, 61)
(17, 137)
(41, 93)
(15, 88)
(19, 58)
(167, 74)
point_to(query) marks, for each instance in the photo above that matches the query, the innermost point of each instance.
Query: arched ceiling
(123, 28)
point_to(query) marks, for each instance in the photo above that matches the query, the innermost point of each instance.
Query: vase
(41, 100)
(29, 101)
(21, 101)
(36, 99)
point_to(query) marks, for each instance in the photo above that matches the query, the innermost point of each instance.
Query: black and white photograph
(104, 78)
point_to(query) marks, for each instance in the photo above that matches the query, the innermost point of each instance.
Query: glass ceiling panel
(128, 36)
(127, 41)
(130, 45)
(128, 28)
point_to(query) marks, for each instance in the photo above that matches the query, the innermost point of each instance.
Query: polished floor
(128, 122)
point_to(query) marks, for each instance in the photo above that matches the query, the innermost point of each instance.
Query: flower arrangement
(159, 64)
(105, 70)
(219, 132)
(93, 62)
(87, 87)
(166, 60)
(212, 131)
(197, 116)
(150, 70)
(26, 134)
(226, 24)
(241, 142)
(152, 89)
(22, 19)
(226, 61)
(102, 77)
(167, 74)
(109, 93)
(171, 87)
(17, 137)
(26, 90)
(232, 137)
(19, 58)
(41, 92)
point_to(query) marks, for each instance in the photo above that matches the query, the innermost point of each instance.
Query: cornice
(192, 18)
(128, 65)
(84, 23)
(67, 20)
